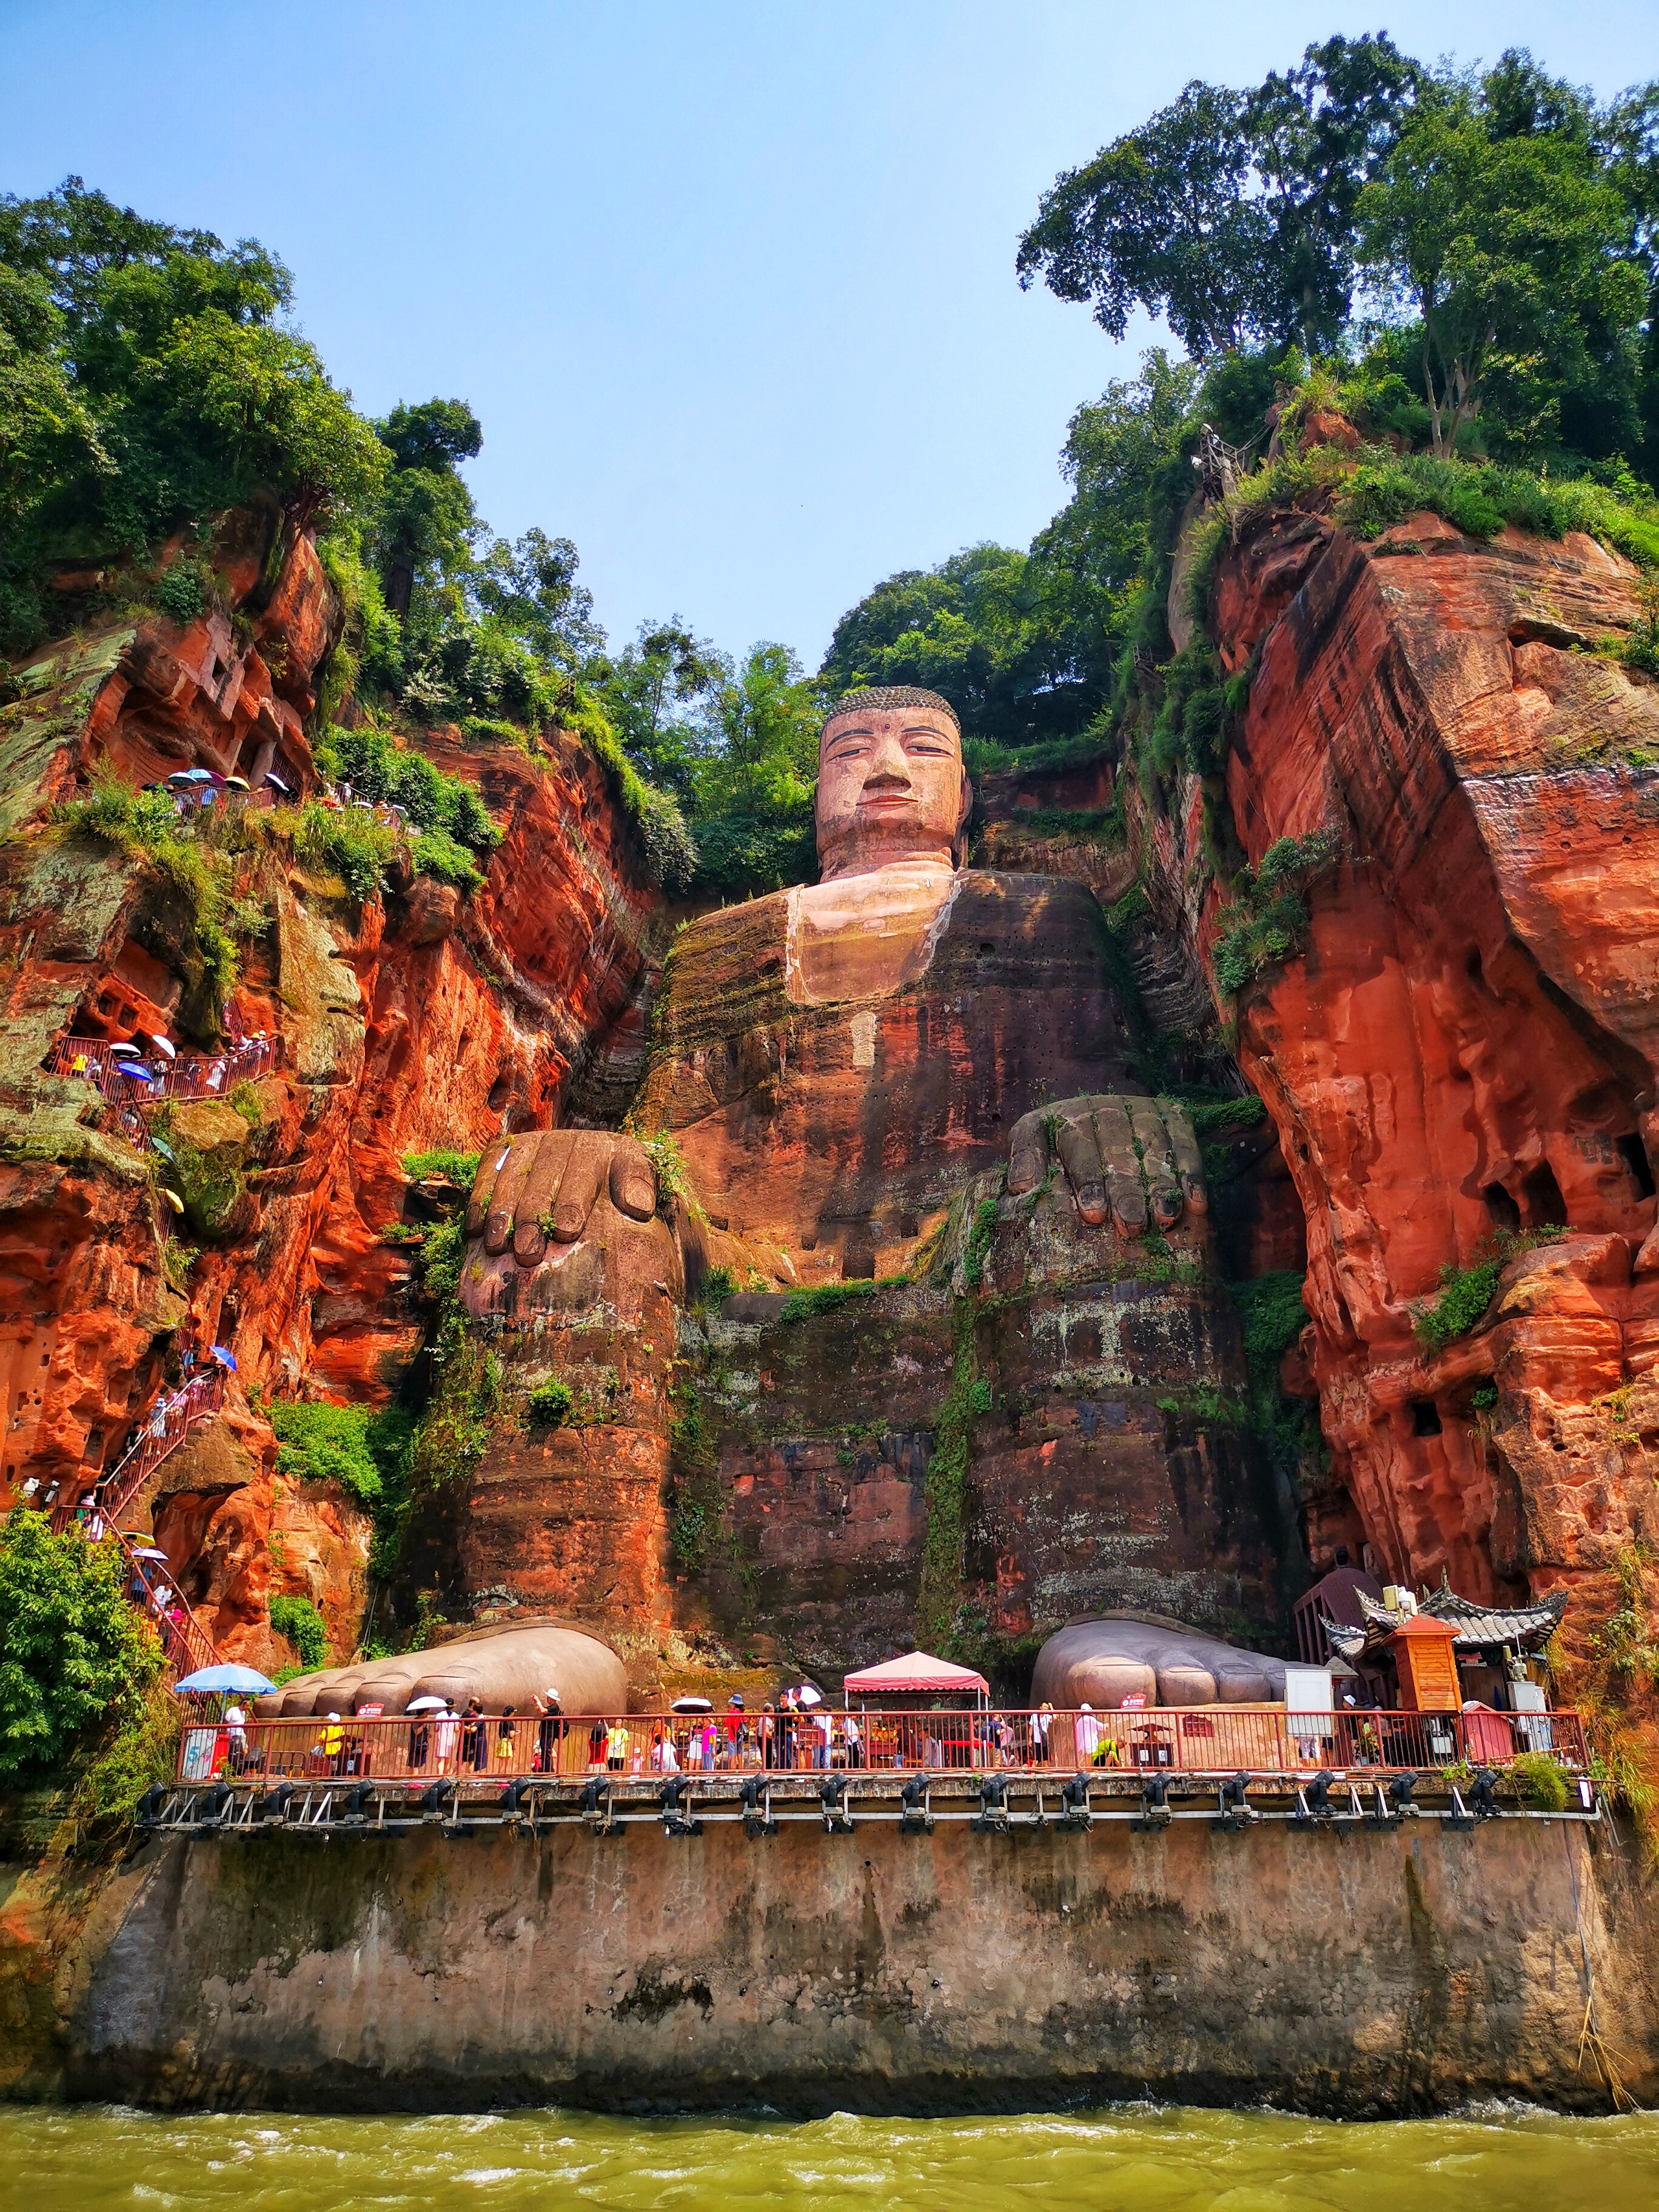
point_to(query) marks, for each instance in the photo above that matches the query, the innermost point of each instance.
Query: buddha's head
(892, 785)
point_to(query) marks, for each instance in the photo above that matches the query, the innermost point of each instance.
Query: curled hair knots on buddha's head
(875, 696)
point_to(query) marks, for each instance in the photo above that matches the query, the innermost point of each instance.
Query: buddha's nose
(888, 765)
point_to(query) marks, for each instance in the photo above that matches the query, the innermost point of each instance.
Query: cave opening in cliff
(1634, 1152)
(1501, 1209)
(1425, 1417)
(1546, 1208)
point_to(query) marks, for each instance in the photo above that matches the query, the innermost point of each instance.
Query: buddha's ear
(959, 839)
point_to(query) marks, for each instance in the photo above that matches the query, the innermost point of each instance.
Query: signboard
(198, 1754)
(370, 1712)
(1134, 1703)
(1307, 1689)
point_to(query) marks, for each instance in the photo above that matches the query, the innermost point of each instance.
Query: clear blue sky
(730, 286)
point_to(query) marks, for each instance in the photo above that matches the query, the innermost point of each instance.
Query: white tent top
(917, 1670)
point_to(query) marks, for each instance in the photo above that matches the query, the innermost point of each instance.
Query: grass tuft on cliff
(1465, 1292)
(456, 1167)
(1604, 1661)
(1266, 920)
(298, 1622)
(189, 874)
(824, 1298)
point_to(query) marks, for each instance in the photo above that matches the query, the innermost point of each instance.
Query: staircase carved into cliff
(169, 1422)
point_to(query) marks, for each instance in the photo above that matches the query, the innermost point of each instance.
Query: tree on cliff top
(425, 519)
(1493, 219)
(1501, 223)
(72, 1650)
(1231, 213)
(146, 380)
(1024, 644)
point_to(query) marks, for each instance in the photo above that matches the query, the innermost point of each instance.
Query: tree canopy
(1496, 229)
(146, 378)
(72, 1650)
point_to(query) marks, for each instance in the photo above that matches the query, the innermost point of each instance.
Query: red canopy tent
(915, 1672)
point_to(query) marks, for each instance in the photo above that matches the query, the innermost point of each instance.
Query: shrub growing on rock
(1540, 1780)
(299, 1623)
(548, 1404)
(72, 1650)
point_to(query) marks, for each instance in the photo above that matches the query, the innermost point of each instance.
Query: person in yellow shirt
(331, 1743)
(616, 1747)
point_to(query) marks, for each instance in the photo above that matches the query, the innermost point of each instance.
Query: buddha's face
(890, 787)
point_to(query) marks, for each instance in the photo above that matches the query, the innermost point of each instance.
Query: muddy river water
(1164, 2160)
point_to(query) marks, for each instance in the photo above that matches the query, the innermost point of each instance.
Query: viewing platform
(999, 1771)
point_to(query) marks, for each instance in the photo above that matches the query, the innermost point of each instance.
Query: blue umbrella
(225, 1358)
(245, 1681)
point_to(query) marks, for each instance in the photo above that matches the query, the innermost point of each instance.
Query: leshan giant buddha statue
(837, 1064)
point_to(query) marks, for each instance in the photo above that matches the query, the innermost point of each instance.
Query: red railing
(1210, 1740)
(192, 1076)
(169, 1421)
(186, 1642)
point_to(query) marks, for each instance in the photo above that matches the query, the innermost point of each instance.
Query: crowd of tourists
(438, 1739)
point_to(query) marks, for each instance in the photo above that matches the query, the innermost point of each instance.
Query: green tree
(426, 523)
(145, 380)
(529, 588)
(1508, 246)
(258, 405)
(1228, 213)
(761, 736)
(1023, 644)
(657, 692)
(72, 1650)
(1018, 642)
(46, 429)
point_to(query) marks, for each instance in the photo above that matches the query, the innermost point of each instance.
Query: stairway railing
(169, 1423)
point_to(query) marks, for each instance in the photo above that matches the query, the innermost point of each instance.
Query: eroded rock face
(1469, 1043)
(418, 1022)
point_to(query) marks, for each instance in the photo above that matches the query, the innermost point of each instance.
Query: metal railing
(169, 1421)
(192, 1076)
(165, 1427)
(470, 1750)
(186, 1642)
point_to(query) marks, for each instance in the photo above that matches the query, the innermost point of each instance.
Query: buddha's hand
(575, 1212)
(1135, 1159)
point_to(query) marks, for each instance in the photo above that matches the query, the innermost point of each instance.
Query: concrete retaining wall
(1370, 1972)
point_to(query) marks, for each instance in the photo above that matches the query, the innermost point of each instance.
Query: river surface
(1143, 2159)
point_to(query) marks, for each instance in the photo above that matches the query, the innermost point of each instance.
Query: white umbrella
(424, 1705)
(810, 1694)
(162, 1045)
(126, 1051)
(691, 1705)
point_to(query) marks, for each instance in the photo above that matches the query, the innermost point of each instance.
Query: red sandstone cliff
(1465, 1044)
(1468, 1044)
(422, 1020)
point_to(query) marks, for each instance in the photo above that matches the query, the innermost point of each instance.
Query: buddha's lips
(885, 802)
